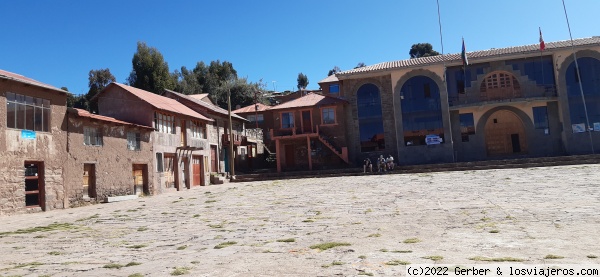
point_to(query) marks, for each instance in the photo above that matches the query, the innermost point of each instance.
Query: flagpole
(580, 81)
(445, 83)
(542, 60)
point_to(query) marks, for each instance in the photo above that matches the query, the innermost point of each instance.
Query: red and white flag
(542, 44)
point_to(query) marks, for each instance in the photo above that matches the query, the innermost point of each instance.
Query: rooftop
(208, 106)
(84, 113)
(161, 102)
(472, 56)
(25, 80)
(252, 108)
(309, 100)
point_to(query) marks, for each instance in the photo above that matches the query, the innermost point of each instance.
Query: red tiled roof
(199, 96)
(22, 79)
(310, 100)
(330, 78)
(207, 105)
(161, 102)
(84, 113)
(252, 108)
(473, 56)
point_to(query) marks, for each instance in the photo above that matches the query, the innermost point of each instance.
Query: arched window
(589, 70)
(370, 121)
(421, 111)
(500, 85)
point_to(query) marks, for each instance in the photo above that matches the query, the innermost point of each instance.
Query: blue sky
(59, 42)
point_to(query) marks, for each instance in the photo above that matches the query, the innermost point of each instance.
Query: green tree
(97, 81)
(150, 71)
(302, 81)
(422, 50)
(334, 70)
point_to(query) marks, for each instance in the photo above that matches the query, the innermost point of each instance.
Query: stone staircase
(408, 169)
(342, 153)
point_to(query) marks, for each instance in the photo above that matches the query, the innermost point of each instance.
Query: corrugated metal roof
(199, 96)
(252, 108)
(26, 80)
(84, 113)
(473, 56)
(209, 106)
(310, 100)
(161, 102)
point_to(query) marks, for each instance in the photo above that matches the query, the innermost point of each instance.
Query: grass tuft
(132, 264)
(51, 227)
(328, 245)
(592, 256)
(31, 264)
(137, 246)
(225, 244)
(54, 253)
(287, 240)
(182, 247)
(499, 259)
(553, 257)
(113, 266)
(397, 262)
(180, 271)
(374, 235)
(136, 275)
(434, 258)
(412, 240)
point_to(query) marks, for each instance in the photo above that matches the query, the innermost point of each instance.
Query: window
(91, 136)
(27, 113)
(259, 117)
(421, 111)
(159, 162)
(370, 119)
(197, 129)
(334, 88)
(287, 120)
(328, 115)
(540, 117)
(164, 123)
(467, 126)
(133, 141)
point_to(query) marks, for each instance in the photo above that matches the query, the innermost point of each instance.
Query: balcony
(502, 96)
(193, 144)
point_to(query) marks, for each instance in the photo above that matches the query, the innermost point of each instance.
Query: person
(367, 165)
(390, 162)
(381, 164)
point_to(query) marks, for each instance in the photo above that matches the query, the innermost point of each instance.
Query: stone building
(180, 140)
(32, 145)
(106, 157)
(246, 142)
(506, 103)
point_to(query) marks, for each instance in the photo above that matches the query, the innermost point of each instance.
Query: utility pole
(231, 154)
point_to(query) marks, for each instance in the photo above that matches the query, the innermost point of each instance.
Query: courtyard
(371, 225)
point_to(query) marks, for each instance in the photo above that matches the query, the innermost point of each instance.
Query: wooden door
(505, 134)
(169, 170)
(197, 170)
(183, 133)
(89, 180)
(139, 179)
(289, 156)
(34, 185)
(306, 122)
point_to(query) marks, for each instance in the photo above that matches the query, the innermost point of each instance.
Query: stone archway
(505, 134)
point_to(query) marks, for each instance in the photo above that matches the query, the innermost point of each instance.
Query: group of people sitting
(383, 164)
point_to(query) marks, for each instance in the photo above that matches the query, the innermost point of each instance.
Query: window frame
(333, 111)
(336, 91)
(39, 109)
(134, 141)
(92, 136)
(293, 121)
(198, 129)
(537, 122)
(162, 122)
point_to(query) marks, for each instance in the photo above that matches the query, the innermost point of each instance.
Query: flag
(542, 44)
(463, 54)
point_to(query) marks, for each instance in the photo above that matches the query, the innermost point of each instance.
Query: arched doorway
(505, 134)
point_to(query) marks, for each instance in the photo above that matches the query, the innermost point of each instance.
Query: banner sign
(578, 128)
(433, 139)
(27, 134)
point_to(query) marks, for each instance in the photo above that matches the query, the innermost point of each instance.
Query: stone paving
(267, 228)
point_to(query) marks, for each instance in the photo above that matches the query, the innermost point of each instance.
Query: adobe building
(33, 145)
(309, 133)
(246, 143)
(506, 103)
(107, 158)
(179, 143)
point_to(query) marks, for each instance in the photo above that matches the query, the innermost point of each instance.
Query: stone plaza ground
(374, 224)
